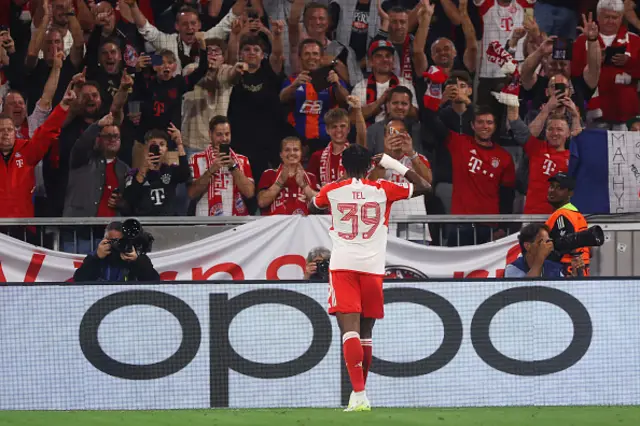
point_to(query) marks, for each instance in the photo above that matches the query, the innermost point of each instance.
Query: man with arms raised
(360, 210)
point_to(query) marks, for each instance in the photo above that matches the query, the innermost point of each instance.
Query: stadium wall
(241, 345)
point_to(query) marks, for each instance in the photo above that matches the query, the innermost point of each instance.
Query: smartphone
(393, 131)
(319, 78)
(560, 89)
(154, 149)
(610, 52)
(562, 49)
(225, 149)
(156, 60)
(116, 191)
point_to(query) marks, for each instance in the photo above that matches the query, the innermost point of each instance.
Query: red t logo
(506, 23)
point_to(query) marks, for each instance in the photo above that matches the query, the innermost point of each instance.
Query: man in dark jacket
(105, 264)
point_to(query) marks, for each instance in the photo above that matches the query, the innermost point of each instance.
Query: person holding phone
(617, 95)
(222, 179)
(151, 189)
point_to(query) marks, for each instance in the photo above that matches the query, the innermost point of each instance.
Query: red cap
(381, 44)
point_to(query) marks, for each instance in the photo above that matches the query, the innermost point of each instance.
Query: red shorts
(356, 292)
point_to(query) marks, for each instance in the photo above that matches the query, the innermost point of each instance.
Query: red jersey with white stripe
(360, 219)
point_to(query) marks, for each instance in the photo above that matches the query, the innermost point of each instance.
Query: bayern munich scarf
(326, 167)
(217, 181)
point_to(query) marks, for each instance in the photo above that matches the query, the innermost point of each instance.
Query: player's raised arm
(319, 204)
(420, 185)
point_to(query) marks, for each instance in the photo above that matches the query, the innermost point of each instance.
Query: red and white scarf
(326, 167)
(406, 69)
(216, 186)
(372, 92)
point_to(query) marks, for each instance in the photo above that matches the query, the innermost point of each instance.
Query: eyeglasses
(110, 137)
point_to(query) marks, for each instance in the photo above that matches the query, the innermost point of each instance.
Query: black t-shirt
(33, 82)
(359, 27)
(156, 195)
(256, 114)
(109, 84)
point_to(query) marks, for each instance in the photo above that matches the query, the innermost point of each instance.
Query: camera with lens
(133, 237)
(322, 270)
(592, 237)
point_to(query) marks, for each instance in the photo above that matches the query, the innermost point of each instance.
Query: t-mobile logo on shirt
(549, 167)
(475, 164)
(157, 196)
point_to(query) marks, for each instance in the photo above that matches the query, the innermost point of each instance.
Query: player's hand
(384, 16)
(126, 82)
(277, 27)
(143, 62)
(589, 27)
(58, 60)
(376, 160)
(105, 121)
(302, 78)
(546, 47)
(354, 102)
(284, 175)
(570, 105)
(226, 160)
(407, 145)
(68, 99)
(153, 161)
(577, 262)
(216, 164)
(104, 249)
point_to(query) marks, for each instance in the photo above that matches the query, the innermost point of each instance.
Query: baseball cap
(381, 44)
(632, 121)
(564, 180)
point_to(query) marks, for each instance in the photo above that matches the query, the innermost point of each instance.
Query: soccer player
(360, 210)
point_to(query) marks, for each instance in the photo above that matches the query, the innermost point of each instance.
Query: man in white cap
(620, 69)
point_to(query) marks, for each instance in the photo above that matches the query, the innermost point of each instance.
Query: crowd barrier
(616, 258)
(203, 344)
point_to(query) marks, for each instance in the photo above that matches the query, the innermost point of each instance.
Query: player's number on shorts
(369, 215)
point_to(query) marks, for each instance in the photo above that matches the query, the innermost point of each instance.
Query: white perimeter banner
(442, 344)
(271, 248)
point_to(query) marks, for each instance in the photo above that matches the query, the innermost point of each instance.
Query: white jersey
(360, 212)
(412, 207)
(499, 22)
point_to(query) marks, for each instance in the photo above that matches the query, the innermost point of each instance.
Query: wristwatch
(232, 168)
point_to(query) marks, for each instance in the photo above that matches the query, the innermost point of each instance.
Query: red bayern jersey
(544, 162)
(291, 199)
(360, 218)
(478, 174)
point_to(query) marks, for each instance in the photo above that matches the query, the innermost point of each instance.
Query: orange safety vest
(558, 221)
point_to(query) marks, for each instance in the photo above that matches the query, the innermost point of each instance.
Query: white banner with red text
(272, 248)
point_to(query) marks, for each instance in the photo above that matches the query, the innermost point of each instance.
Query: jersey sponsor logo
(311, 107)
(548, 167)
(157, 196)
(474, 164)
(166, 178)
(507, 23)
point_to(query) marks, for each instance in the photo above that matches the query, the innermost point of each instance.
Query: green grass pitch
(520, 416)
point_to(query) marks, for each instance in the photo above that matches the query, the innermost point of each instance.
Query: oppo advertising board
(200, 345)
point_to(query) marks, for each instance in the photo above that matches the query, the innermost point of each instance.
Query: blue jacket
(519, 269)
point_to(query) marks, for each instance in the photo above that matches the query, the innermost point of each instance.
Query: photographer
(119, 257)
(536, 246)
(317, 264)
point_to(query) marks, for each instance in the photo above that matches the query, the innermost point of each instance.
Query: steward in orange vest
(565, 220)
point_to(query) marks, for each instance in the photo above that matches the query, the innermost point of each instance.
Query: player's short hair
(5, 116)
(91, 83)
(528, 234)
(252, 40)
(116, 225)
(336, 115)
(403, 90)
(217, 120)
(438, 40)
(167, 54)
(356, 160)
(288, 139)
(308, 41)
(459, 75)
(156, 134)
(394, 120)
(323, 252)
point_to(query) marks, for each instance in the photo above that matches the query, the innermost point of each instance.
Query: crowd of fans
(241, 107)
